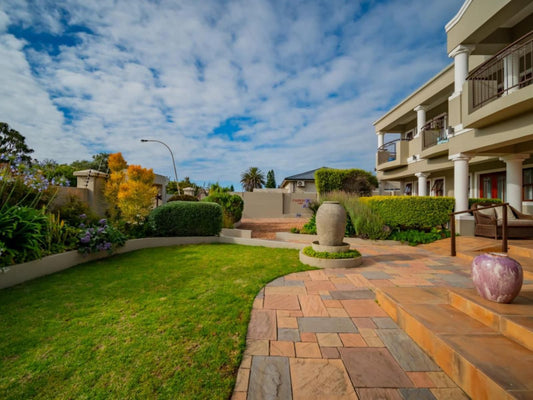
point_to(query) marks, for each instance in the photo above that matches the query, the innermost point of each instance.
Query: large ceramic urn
(497, 277)
(330, 223)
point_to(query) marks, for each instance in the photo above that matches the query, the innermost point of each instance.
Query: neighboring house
(468, 132)
(300, 183)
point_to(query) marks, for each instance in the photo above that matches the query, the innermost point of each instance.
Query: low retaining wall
(15, 274)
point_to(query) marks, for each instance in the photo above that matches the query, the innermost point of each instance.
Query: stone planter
(497, 277)
(330, 223)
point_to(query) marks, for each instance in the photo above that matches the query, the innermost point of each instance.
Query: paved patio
(321, 334)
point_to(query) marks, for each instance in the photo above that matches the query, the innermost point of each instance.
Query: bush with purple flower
(102, 237)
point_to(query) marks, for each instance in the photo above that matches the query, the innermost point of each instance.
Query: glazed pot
(330, 223)
(497, 277)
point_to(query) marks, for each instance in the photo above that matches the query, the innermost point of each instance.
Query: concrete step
(483, 362)
(514, 321)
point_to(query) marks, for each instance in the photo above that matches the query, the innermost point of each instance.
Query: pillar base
(465, 225)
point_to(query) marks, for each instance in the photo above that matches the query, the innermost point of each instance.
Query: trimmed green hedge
(232, 205)
(186, 218)
(347, 180)
(412, 212)
(485, 202)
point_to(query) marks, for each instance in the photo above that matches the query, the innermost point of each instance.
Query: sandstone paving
(322, 335)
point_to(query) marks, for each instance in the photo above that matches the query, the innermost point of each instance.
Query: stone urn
(330, 223)
(497, 277)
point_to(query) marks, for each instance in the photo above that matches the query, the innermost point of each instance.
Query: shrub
(411, 212)
(182, 218)
(59, 236)
(414, 237)
(22, 234)
(484, 202)
(74, 212)
(232, 206)
(100, 237)
(347, 180)
(309, 251)
(363, 222)
(182, 197)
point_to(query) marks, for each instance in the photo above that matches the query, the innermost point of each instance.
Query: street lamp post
(171, 155)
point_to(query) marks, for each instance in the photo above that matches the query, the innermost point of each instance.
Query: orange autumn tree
(129, 190)
(136, 195)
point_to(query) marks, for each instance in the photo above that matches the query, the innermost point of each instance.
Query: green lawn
(156, 323)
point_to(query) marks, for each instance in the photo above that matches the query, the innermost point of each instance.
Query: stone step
(518, 253)
(483, 362)
(515, 321)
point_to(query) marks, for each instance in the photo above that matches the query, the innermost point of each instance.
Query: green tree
(13, 145)
(252, 178)
(55, 172)
(99, 163)
(271, 180)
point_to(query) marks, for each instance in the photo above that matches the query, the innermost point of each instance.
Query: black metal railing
(388, 151)
(435, 132)
(507, 71)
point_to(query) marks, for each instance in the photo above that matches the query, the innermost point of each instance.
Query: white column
(513, 179)
(511, 73)
(460, 181)
(460, 59)
(420, 118)
(381, 139)
(422, 183)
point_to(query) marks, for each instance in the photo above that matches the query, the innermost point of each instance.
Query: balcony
(392, 154)
(435, 137)
(508, 71)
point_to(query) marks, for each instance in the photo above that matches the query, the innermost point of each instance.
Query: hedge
(186, 218)
(347, 180)
(232, 204)
(412, 212)
(484, 202)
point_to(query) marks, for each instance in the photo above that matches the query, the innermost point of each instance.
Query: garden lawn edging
(19, 273)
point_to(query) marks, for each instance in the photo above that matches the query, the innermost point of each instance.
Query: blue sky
(285, 85)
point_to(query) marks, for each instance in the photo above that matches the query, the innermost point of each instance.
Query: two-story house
(468, 132)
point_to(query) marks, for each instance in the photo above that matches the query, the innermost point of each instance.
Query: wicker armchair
(488, 223)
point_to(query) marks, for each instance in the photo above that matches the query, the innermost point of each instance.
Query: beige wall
(275, 204)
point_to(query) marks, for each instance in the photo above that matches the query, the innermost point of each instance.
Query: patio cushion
(499, 214)
(517, 222)
(488, 212)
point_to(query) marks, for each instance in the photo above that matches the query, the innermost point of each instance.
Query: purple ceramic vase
(497, 277)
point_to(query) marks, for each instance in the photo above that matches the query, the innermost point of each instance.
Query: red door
(492, 186)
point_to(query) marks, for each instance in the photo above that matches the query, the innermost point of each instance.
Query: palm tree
(252, 178)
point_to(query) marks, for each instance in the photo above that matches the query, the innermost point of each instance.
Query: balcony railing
(434, 132)
(506, 72)
(387, 152)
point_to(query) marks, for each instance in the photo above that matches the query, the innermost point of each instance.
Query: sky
(287, 85)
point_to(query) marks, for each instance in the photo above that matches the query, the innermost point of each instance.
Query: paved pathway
(321, 335)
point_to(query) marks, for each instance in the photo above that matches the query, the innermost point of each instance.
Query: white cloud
(311, 75)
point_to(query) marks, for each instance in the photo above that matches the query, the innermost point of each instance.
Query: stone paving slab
(321, 335)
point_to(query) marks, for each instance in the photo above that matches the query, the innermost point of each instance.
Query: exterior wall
(501, 124)
(275, 204)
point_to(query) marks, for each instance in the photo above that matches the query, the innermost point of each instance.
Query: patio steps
(485, 347)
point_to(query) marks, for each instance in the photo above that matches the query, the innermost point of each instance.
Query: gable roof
(304, 176)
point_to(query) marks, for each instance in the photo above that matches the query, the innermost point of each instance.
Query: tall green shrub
(355, 181)
(186, 218)
(412, 212)
(232, 206)
(366, 223)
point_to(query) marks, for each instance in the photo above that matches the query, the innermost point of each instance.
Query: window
(408, 189)
(438, 187)
(527, 184)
